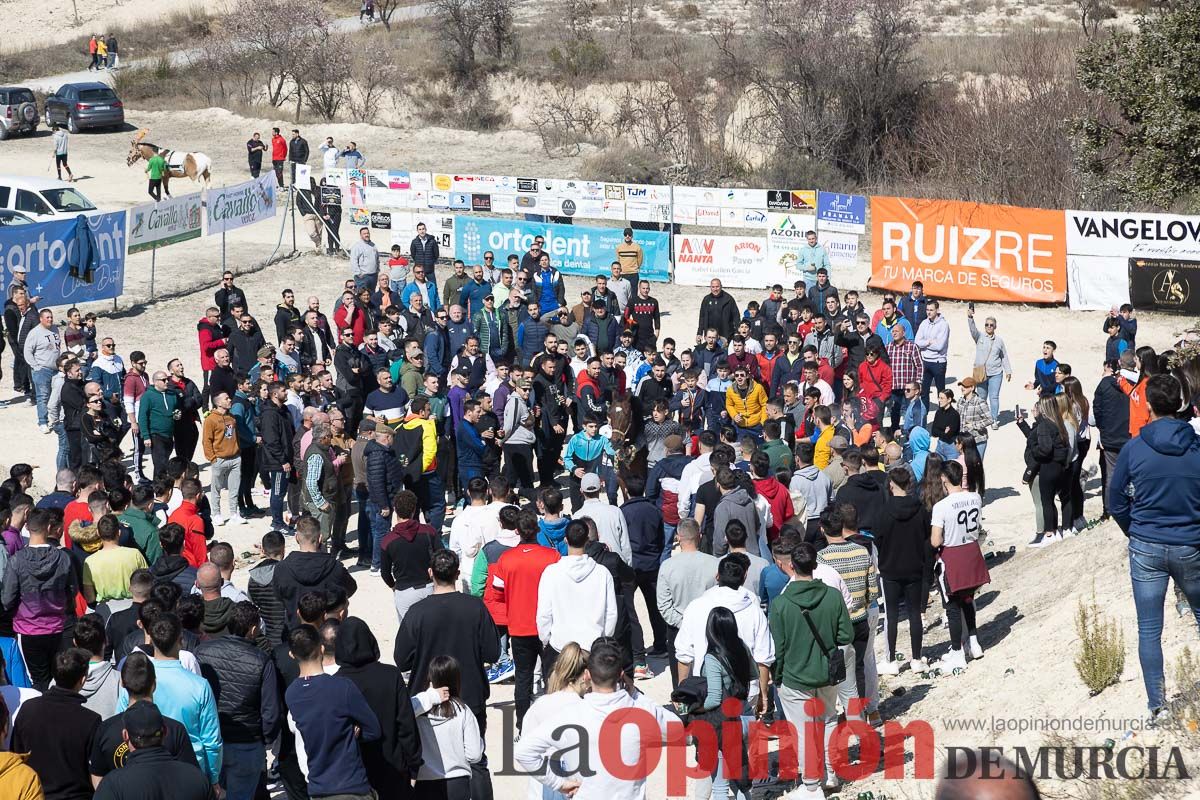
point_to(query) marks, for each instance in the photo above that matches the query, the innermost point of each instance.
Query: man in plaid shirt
(907, 367)
(974, 415)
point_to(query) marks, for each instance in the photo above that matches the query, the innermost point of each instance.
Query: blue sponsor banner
(58, 261)
(573, 249)
(841, 212)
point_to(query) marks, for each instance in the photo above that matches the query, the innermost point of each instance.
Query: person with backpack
(810, 626)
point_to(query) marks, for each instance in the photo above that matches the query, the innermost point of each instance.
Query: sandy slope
(51, 23)
(1027, 613)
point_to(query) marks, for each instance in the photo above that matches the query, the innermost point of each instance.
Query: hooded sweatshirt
(18, 781)
(902, 538)
(43, 582)
(691, 644)
(553, 534)
(1161, 464)
(864, 492)
(449, 745)
(217, 614)
(174, 569)
(577, 602)
(302, 572)
(740, 506)
(391, 760)
(406, 554)
(100, 688)
(799, 663)
(780, 500)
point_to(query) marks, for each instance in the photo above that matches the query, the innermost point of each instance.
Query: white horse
(196, 166)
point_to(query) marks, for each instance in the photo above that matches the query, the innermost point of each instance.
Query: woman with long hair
(1149, 363)
(1073, 403)
(1047, 463)
(946, 425)
(450, 740)
(100, 435)
(565, 688)
(972, 463)
(851, 407)
(931, 481)
(728, 669)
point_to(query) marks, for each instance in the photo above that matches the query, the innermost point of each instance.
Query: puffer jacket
(262, 594)
(246, 687)
(275, 427)
(752, 406)
(385, 475)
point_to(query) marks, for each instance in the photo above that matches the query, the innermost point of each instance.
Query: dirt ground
(1026, 616)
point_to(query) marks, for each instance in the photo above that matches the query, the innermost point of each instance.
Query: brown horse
(631, 459)
(196, 166)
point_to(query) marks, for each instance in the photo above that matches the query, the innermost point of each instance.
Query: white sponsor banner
(613, 209)
(421, 180)
(647, 193)
(842, 249)
(1108, 239)
(244, 204)
(684, 215)
(708, 215)
(736, 260)
(387, 198)
(1097, 283)
(743, 218)
(785, 237)
(744, 198)
(698, 195)
(158, 224)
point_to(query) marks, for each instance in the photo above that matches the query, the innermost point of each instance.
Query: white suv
(43, 199)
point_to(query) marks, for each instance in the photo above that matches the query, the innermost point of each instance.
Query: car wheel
(72, 124)
(3, 132)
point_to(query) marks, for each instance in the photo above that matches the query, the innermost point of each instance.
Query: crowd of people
(518, 467)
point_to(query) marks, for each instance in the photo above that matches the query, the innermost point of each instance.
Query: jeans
(379, 529)
(993, 393)
(365, 545)
(431, 494)
(793, 701)
(225, 473)
(243, 764)
(934, 374)
(721, 789)
(42, 378)
(982, 448)
(366, 281)
(668, 541)
(278, 489)
(60, 459)
(1150, 564)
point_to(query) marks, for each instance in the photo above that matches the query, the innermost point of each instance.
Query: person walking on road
(60, 153)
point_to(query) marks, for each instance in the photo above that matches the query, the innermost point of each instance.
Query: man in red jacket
(774, 492)
(279, 151)
(212, 338)
(516, 577)
(195, 543)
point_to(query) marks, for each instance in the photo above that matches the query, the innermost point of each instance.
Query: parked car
(43, 199)
(85, 105)
(18, 111)
(10, 218)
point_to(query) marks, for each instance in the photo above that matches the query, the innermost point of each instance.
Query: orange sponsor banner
(969, 251)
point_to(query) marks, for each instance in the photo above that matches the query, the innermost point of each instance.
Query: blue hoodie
(1161, 465)
(553, 534)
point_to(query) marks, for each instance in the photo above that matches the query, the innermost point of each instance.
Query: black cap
(142, 720)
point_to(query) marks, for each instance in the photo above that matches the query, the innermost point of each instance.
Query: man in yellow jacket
(746, 402)
(428, 486)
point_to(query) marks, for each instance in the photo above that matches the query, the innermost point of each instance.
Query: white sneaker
(237, 519)
(955, 659)
(44, 428)
(975, 648)
(918, 665)
(888, 667)
(218, 520)
(805, 792)
(831, 783)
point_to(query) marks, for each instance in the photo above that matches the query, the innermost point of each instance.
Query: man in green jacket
(156, 421)
(141, 520)
(155, 167)
(801, 669)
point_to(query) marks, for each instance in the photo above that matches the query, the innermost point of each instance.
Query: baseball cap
(142, 720)
(266, 350)
(838, 443)
(590, 483)
(366, 425)
(967, 382)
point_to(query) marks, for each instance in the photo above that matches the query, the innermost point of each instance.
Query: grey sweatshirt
(364, 258)
(515, 412)
(740, 506)
(42, 347)
(682, 578)
(990, 352)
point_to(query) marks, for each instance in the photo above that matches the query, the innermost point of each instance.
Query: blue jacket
(437, 350)
(246, 415)
(432, 301)
(914, 415)
(913, 310)
(459, 333)
(645, 524)
(469, 446)
(583, 451)
(1043, 377)
(472, 294)
(1162, 467)
(187, 698)
(591, 329)
(551, 291)
(553, 534)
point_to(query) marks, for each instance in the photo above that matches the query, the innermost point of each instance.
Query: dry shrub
(469, 107)
(1101, 657)
(565, 122)
(626, 163)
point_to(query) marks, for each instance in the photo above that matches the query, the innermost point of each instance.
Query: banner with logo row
(757, 262)
(69, 261)
(684, 205)
(573, 249)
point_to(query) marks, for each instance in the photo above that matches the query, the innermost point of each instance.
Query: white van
(43, 199)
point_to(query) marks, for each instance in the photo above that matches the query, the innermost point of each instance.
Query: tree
(1142, 141)
(282, 34)
(498, 23)
(386, 9)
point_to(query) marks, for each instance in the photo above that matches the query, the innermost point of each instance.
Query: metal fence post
(153, 255)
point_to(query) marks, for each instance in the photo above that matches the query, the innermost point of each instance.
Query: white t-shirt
(958, 517)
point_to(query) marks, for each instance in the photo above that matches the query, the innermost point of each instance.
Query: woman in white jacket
(450, 740)
(565, 689)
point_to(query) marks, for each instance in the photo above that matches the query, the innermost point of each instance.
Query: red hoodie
(278, 148)
(780, 501)
(516, 576)
(195, 549)
(212, 339)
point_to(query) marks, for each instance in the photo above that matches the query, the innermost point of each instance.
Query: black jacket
(74, 403)
(285, 318)
(314, 348)
(394, 759)
(244, 682)
(174, 569)
(385, 475)
(222, 380)
(261, 590)
(57, 732)
(645, 525)
(154, 774)
(426, 254)
(302, 572)
(227, 298)
(345, 358)
(720, 312)
(298, 150)
(453, 624)
(275, 428)
(244, 347)
(624, 579)
(1044, 443)
(902, 537)
(866, 495)
(1111, 408)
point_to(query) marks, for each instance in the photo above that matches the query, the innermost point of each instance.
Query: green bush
(1101, 657)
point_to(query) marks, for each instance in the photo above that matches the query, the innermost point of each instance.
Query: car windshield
(97, 96)
(18, 96)
(67, 199)
(13, 219)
